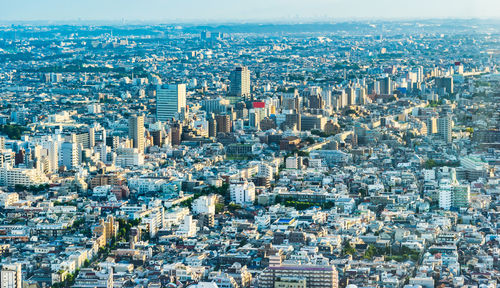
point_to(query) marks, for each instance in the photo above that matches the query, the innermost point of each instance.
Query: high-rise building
(10, 276)
(351, 96)
(386, 86)
(157, 137)
(240, 82)
(52, 154)
(293, 121)
(212, 126)
(461, 196)
(170, 101)
(84, 137)
(445, 83)
(454, 196)
(445, 197)
(431, 125)
(360, 95)
(223, 123)
(136, 131)
(316, 276)
(175, 133)
(445, 124)
(69, 155)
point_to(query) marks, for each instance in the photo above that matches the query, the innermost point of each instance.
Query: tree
(310, 140)
(370, 252)
(243, 242)
(12, 131)
(19, 187)
(348, 249)
(233, 207)
(219, 208)
(430, 164)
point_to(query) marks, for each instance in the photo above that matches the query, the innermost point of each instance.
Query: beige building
(290, 282)
(315, 276)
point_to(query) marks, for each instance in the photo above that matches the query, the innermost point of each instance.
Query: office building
(69, 155)
(223, 123)
(444, 84)
(240, 82)
(136, 131)
(175, 133)
(170, 101)
(445, 125)
(386, 86)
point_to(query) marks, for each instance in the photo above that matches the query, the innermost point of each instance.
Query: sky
(202, 11)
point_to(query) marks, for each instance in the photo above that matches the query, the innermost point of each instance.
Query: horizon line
(288, 21)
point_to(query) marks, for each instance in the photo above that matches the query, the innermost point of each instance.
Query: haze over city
(249, 144)
(241, 11)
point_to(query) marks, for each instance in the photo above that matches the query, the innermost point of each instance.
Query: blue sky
(248, 10)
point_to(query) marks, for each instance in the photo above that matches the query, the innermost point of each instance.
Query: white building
(266, 170)
(188, 227)
(52, 148)
(445, 197)
(129, 157)
(242, 193)
(19, 176)
(146, 184)
(429, 174)
(292, 163)
(204, 205)
(94, 108)
(10, 276)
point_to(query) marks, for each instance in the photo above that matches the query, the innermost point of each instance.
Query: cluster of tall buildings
(264, 158)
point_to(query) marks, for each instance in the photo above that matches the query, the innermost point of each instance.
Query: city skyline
(221, 11)
(249, 144)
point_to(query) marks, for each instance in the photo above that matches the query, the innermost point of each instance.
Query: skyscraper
(445, 84)
(386, 86)
(52, 147)
(240, 82)
(223, 123)
(170, 100)
(351, 96)
(445, 124)
(431, 125)
(69, 155)
(136, 131)
(175, 133)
